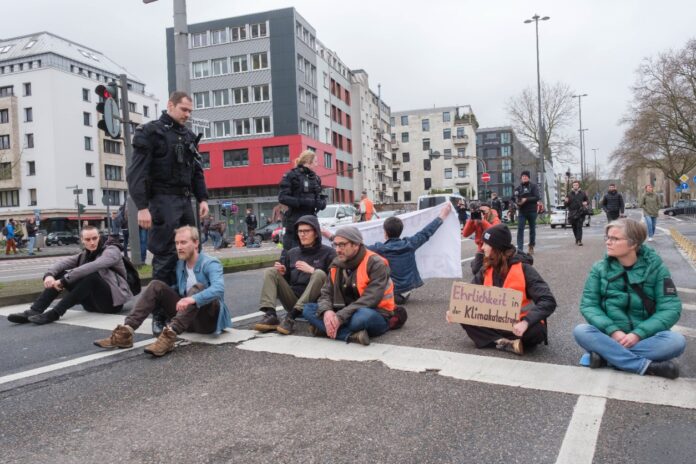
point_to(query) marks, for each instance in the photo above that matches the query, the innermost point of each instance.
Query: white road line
(467, 259)
(686, 290)
(689, 307)
(604, 383)
(685, 331)
(580, 439)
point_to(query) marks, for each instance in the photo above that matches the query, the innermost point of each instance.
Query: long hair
(498, 260)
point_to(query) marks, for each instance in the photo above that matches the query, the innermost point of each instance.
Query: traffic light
(80, 208)
(108, 106)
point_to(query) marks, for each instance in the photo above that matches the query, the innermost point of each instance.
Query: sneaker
(579, 242)
(159, 322)
(164, 343)
(45, 318)
(596, 361)
(268, 323)
(121, 337)
(666, 369)
(359, 337)
(530, 250)
(286, 326)
(512, 346)
(23, 317)
(650, 239)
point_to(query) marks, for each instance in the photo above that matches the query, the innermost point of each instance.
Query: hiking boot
(314, 331)
(286, 326)
(164, 343)
(45, 318)
(269, 321)
(596, 361)
(121, 337)
(530, 250)
(666, 369)
(23, 317)
(359, 337)
(512, 346)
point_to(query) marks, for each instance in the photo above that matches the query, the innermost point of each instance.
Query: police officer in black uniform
(165, 173)
(300, 191)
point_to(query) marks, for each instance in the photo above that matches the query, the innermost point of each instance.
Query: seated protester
(504, 267)
(358, 298)
(401, 253)
(297, 279)
(196, 305)
(630, 304)
(482, 217)
(94, 278)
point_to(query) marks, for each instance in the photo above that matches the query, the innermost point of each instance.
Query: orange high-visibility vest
(362, 280)
(514, 280)
(369, 209)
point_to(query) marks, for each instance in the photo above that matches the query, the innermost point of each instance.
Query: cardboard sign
(493, 307)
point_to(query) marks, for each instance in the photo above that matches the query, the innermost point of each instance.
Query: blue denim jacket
(208, 271)
(401, 254)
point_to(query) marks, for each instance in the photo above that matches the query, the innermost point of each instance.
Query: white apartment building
(434, 151)
(49, 140)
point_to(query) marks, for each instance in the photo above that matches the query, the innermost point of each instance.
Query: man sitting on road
(196, 305)
(358, 298)
(482, 218)
(297, 279)
(94, 278)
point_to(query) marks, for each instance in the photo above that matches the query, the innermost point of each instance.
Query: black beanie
(498, 237)
(526, 173)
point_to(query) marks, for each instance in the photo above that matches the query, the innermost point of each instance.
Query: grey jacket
(109, 265)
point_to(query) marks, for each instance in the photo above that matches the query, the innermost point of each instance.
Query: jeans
(362, 319)
(662, 346)
(217, 238)
(651, 222)
(521, 219)
(32, 242)
(143, 244)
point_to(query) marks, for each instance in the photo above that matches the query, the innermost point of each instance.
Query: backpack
(132, 276)
(5, 231)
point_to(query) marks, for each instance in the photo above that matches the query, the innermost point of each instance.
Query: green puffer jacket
(609, 304)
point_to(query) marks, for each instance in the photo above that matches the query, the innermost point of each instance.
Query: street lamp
(542, 133)
(582, 151)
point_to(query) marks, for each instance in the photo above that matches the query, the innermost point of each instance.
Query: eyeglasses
(611, 239)
(340, 244)
(304, 231)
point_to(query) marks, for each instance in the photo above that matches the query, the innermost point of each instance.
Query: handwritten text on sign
(494, 307)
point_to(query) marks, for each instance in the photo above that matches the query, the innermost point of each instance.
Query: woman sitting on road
(630, 304)
(504, 267)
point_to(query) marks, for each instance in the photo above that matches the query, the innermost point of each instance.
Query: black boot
(596, 361)
(666, 369)
(23, 317)
(45, 318)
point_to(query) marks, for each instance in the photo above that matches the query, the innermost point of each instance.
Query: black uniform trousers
(484, 337)
(577, 222)
(612, 215)
(168, 212)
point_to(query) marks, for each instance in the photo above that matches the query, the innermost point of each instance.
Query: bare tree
(558, 113)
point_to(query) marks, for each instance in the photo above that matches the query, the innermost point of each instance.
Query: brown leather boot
(121, 337)
(164, 343)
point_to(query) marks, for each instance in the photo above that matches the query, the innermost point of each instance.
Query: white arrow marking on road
(580, 440)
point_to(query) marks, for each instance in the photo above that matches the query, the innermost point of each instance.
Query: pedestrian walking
(367, 208)
(9, 232)
(31, 234)
(576, 204)
(252, 223)
(612, 203)
(496, 204)
(526, 196)
(651, 208)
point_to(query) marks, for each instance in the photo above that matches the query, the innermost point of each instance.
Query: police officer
(165, 173)
(300, 191)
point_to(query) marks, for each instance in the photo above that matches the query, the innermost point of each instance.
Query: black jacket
(318, 256)
(613, 202)
(300, 191)
(251, 221)
(531, 193)
(574, 203)
(497, 205)
(543, 303)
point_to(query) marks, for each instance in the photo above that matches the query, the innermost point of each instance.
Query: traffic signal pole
(132, 210)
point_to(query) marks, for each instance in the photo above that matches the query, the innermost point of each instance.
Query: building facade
(49, 140)
(433, 151)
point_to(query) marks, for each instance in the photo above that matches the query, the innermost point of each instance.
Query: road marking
(686, 290)
(467, 259)
(580, 439)
(689, 307)
(604, 383)
(685, 331)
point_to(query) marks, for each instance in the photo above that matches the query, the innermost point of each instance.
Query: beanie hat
(352, 234)
(526, 173)
(498, 237)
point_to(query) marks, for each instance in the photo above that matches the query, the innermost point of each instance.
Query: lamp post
(542, 133)
(584, 158)
(582, 151)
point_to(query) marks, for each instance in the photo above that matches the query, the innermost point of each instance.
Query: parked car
(386, 214)
(62, 238)
(266, 232)
(428, 201)
(681, 207)
(558, 217)
(336, 215)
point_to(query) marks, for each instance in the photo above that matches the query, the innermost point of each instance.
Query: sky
(423, 53)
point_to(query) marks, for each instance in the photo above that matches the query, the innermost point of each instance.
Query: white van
(428, 201)
(336, 215)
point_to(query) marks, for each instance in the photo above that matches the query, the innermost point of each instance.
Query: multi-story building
(433, 151)
(49, 140)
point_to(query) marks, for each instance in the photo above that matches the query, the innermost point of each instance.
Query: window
(88, 143)
(89, 169)
(220, 66)
(113, 172)
(404, 122)
(506, 164)
(27, 89)
(238, 33)
(276, 155)
(4, 116)
(261, 93)
(448, 173)
(258, 30)
(5, 171)
(240, 95)
(445, 116)
(205, 160)
(506, 177)
(90, 196)
(262, 125)
(461, 152)
(28, 115)
(31, 168)
(218, 37)
(9, 198)
(404, 137)
(32, 197)
(114, 195)
(407, 157)
(504, 137)
(221, 97)
(221, 129)
(426, 165)
(29, 140)
(4, 142)
(201, 69)
(426, 144)
(242, 127)
(407, 176)
(235, 158)
(300, 63)
(201, 100)
(85, 95)
(327, 160)
(132, 108)
(490, 152)
(259, 60)
(461, 171)
(86, 118)
(146, 111)
(112, 146)
(425, 125)
(392, 121)
(427, 183)
(239, 64)
(506, 150)
(199, 40)
(201, 129)
(447, 153)
(460, 132)
(447, 134)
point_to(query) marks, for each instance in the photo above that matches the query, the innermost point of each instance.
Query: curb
(36, 255)
(30, 297)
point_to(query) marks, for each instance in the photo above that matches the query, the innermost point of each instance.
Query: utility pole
(582, 141)
(133, 229)
(77, 191)
(181, 63)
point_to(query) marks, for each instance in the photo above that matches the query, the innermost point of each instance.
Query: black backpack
(132, 276)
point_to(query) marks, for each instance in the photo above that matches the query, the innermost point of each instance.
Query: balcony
(461, 160)
(394, 146)
(463, 180)
(463, 140)
(396, 162)
(396, 184)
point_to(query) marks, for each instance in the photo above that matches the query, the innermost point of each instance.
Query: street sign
(684, 186)
(77, 191)
(111, 118)
(485, 177)
(695, 179)
(678, 189)
(226, 204)
(684, 178)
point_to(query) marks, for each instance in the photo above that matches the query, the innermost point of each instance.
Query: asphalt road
(421, 394)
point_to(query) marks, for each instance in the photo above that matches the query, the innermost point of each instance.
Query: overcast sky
(424, 53)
